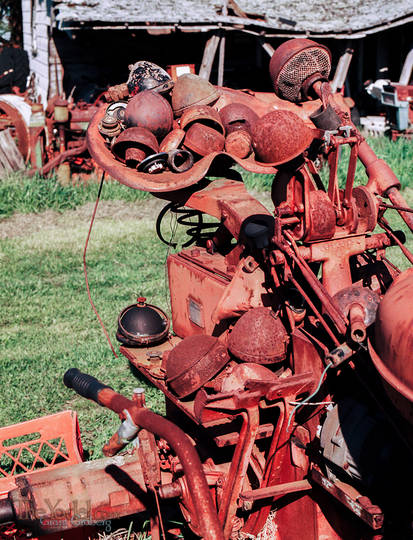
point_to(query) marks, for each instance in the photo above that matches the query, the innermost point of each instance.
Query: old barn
(81, 46)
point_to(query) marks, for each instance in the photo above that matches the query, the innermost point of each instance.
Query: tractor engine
(287, 379)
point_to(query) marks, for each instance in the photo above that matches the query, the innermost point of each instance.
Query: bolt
(139, 396)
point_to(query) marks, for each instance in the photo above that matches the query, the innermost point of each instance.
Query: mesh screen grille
(299, 68)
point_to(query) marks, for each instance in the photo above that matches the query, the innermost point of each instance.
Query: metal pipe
(182, 446)
(356, 317)
(60, 159)
(91, 388)
(276, 491)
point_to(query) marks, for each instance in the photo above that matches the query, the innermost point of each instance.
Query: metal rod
(385, 225)
(318, 287)
(393, 207)
(276, 491)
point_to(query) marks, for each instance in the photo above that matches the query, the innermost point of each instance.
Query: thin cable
(311, 403)
(308, 398)
(159, 513)
(173, 224)
(85, 267)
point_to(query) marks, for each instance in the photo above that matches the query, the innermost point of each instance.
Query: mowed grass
(48, 326)
(46, 322)
(20, 193)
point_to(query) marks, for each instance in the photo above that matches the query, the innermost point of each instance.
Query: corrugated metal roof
(309, 16)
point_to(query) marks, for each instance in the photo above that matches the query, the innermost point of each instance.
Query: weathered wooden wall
(36, 24)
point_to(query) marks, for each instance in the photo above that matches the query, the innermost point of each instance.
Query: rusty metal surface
(91, 492)
(276, 491)
(203, 114)
(151, 111)
(238, 116)
(394, 335)
(239, 143)
(172, 141)
(280, 136)
(11, 117)
(368, 299)
(270, 337)
(162, 183)
(203, 140)
(238, 375)
(321, 218)
(138, 137)
(277, 311)
(189, 90)
(361, 506)
(60, 158)
(180, 160)
(193, 362)
(133, 156)
(238, 468)
(293, 62)
(181, 444)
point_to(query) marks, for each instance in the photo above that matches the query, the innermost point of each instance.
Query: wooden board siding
(37, 45)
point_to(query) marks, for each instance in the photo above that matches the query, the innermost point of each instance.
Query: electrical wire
(173, 224)
(85, 266)
(310, 397)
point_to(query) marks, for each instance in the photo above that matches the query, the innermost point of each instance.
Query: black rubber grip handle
(83, 384)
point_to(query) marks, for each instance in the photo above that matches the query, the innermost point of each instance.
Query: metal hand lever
(89, 387)
(83, 384)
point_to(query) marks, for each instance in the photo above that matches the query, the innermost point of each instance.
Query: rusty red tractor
(287, 378)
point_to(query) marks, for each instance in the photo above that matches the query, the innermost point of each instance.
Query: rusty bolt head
(238, 116)
(189, 90)
(109, 127)
(239, 144)
(280, 136)
(203, 140)
(151, 111)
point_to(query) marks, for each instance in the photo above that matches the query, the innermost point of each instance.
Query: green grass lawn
(46, 322)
